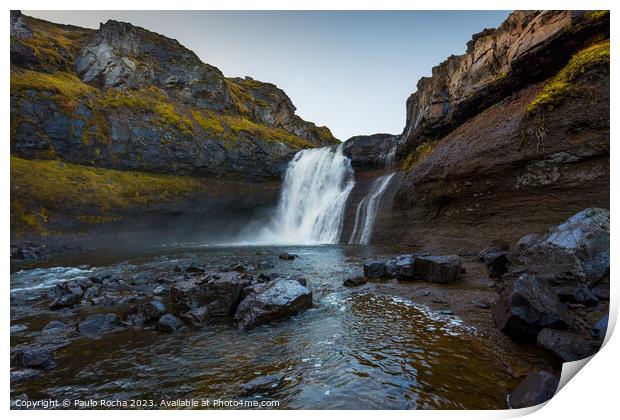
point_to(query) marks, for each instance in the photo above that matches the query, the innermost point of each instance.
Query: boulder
(375, 269)
(587, 235)
(355, 281)
(526, 306)
(54, 327)
(221, 292)
(576, 294)
(144, 313)
(438, 269)
(287, 256)
(272, 301)
(33, 358)
(196, 316)
(169, 323)
(402, 267)
(600, 328)
(548, 262)
(99, 324)
(537, 388)
(495, 258)
(69, 293)
(567, 346)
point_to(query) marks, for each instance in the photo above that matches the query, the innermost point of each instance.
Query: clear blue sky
(351, 71)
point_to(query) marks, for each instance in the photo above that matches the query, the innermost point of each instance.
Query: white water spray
(313, 199)
(366, 211)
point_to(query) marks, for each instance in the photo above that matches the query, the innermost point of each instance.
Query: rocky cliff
(124, 98)
(511, 137)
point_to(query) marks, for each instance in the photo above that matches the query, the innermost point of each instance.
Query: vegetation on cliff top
(41, 187)
(556, 90)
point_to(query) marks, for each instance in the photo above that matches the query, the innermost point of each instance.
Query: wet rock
(194, 269)
(302, 281)
(17, 328)
(375, 269)
(262, 384)
(222, 292)
(96, 279)
(141, 279)
(587, 235)
(55, 327)
(287, 256)
(355, 281)
(99, 324)
(160, 291)
(567, 346)
(481, 304)
(66, 301)
(495, 258)
(262, 278)
(402, 267)
(33, 357)
(548, 262)
(446, 312)
(438, 269)
(197, 316)
(600, 328)
(526, 306)
(144, 313)
(265, 265)
(69, 293)
(240, 268)
(29, 251)
(576, 294)
(169, 323)
(272, 301)
(537, 388)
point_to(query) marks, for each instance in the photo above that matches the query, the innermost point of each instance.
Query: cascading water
(366, 211)
(313, 199)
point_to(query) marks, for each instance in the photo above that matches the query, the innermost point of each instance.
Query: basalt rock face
(372, 151)
(124, 98)
(509, 138)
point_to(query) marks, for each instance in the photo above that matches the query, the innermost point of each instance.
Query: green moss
(208, 121)
(54, 45)
(560, 86)
(418, 155)
(597, 15)
(67, 87)
(54, 185)
(240, 124)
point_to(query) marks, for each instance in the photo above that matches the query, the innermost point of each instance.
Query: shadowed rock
(567, 346)
(536, 388)
(272, 301)
(528, 305)
(438, 269)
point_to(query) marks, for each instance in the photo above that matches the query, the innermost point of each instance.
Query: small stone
(169, 323)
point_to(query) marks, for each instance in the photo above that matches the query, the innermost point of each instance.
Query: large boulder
(587, 235)
(495, 258)
(144, 313)
(546, 261)
(526, 306)
(438, 269)
(220, 292)
(272, 301)
(99, 324)
(376, 269)
(68, 293)
(537, 388)
(567, 346)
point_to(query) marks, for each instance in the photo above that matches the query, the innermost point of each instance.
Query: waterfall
(366, 211)
(312, 203)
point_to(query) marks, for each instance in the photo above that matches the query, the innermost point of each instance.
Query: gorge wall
(120, 122)
(509, 138)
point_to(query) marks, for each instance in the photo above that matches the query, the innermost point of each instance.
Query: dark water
(361, 348)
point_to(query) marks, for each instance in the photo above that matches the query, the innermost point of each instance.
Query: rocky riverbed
(311, 327)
